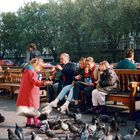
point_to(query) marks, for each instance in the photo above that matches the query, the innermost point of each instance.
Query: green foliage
(80, 27)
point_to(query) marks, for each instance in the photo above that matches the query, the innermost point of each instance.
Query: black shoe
(29, 125)
(102, 109)
(2, 118)
(90, 110)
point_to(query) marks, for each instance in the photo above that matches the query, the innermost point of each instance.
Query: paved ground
(8, 109)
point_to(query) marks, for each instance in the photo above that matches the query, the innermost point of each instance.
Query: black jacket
(67, 73)
(108, 81)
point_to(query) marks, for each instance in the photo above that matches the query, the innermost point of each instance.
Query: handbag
(27, 111)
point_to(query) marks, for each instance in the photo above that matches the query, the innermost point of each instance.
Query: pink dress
(29, 94)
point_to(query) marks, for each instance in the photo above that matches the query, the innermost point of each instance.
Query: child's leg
(36, 121)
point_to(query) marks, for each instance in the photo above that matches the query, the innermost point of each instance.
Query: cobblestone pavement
(8, 109)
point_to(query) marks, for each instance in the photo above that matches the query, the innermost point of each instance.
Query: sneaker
(54, 103)
(63, 109)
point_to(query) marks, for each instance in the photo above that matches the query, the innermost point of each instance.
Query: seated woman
(86, 87)
(69, 89)
(107, 83)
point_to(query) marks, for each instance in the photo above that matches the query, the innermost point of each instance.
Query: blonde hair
(90, 59)
(105, 63)
(39, 61)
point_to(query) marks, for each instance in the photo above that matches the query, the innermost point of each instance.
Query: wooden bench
(10, 80)
(127, 92)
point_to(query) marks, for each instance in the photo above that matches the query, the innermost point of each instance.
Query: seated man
(128, 62)
(64, 72)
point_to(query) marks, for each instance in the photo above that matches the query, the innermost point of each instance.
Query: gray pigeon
(131, 135)
(34, 136)
(11, 135)
(73, 128)
(50, 133)
(85, 133)
(19, 132)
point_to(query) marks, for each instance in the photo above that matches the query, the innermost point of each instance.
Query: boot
(102, 109)
(64, 107)
(54, 103)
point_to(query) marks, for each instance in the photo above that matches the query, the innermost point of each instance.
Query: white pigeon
(131, 135)
(48, 109)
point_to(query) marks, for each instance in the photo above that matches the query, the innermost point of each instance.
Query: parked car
(6, 62)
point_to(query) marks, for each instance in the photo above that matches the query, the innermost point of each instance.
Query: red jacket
(29, 94)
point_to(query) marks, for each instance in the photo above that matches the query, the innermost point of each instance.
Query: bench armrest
(134, 85)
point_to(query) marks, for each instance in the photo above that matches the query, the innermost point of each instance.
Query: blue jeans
(66, 90)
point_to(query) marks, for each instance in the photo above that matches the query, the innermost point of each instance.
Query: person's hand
(78, 77)
(59, 67)
(50, 77)
(89, 84)
(48, 83)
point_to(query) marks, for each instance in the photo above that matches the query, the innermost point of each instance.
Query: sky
(13, 5)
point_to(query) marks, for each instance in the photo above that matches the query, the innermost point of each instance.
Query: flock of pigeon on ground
(101, 127)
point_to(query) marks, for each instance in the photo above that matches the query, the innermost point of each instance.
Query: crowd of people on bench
(85, 86)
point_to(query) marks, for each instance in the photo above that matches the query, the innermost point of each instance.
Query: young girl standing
(29, 94)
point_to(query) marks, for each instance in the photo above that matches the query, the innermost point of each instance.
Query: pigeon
(85, 133)
(50, 133)
(19, 132)
(48, 109)
(34, 136)
(43, 116)
(118, 137)
(137, 125)
(73, 128)
(54, 122)
(114, 125)
(11, 135)
(120, 121)
(100, 131)
(44, 127)
(94, 119)
(131, 135)
(77, 116)
(104, 118)
(2, 118)
(64, 126)
(92, 128)
(67, 137)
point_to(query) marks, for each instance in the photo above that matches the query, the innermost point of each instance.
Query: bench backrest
(15, 75)
(126, 76)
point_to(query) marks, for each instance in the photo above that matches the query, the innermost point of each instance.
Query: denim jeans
(66, 90)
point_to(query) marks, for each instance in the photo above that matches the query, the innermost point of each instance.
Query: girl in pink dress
(29, 93)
